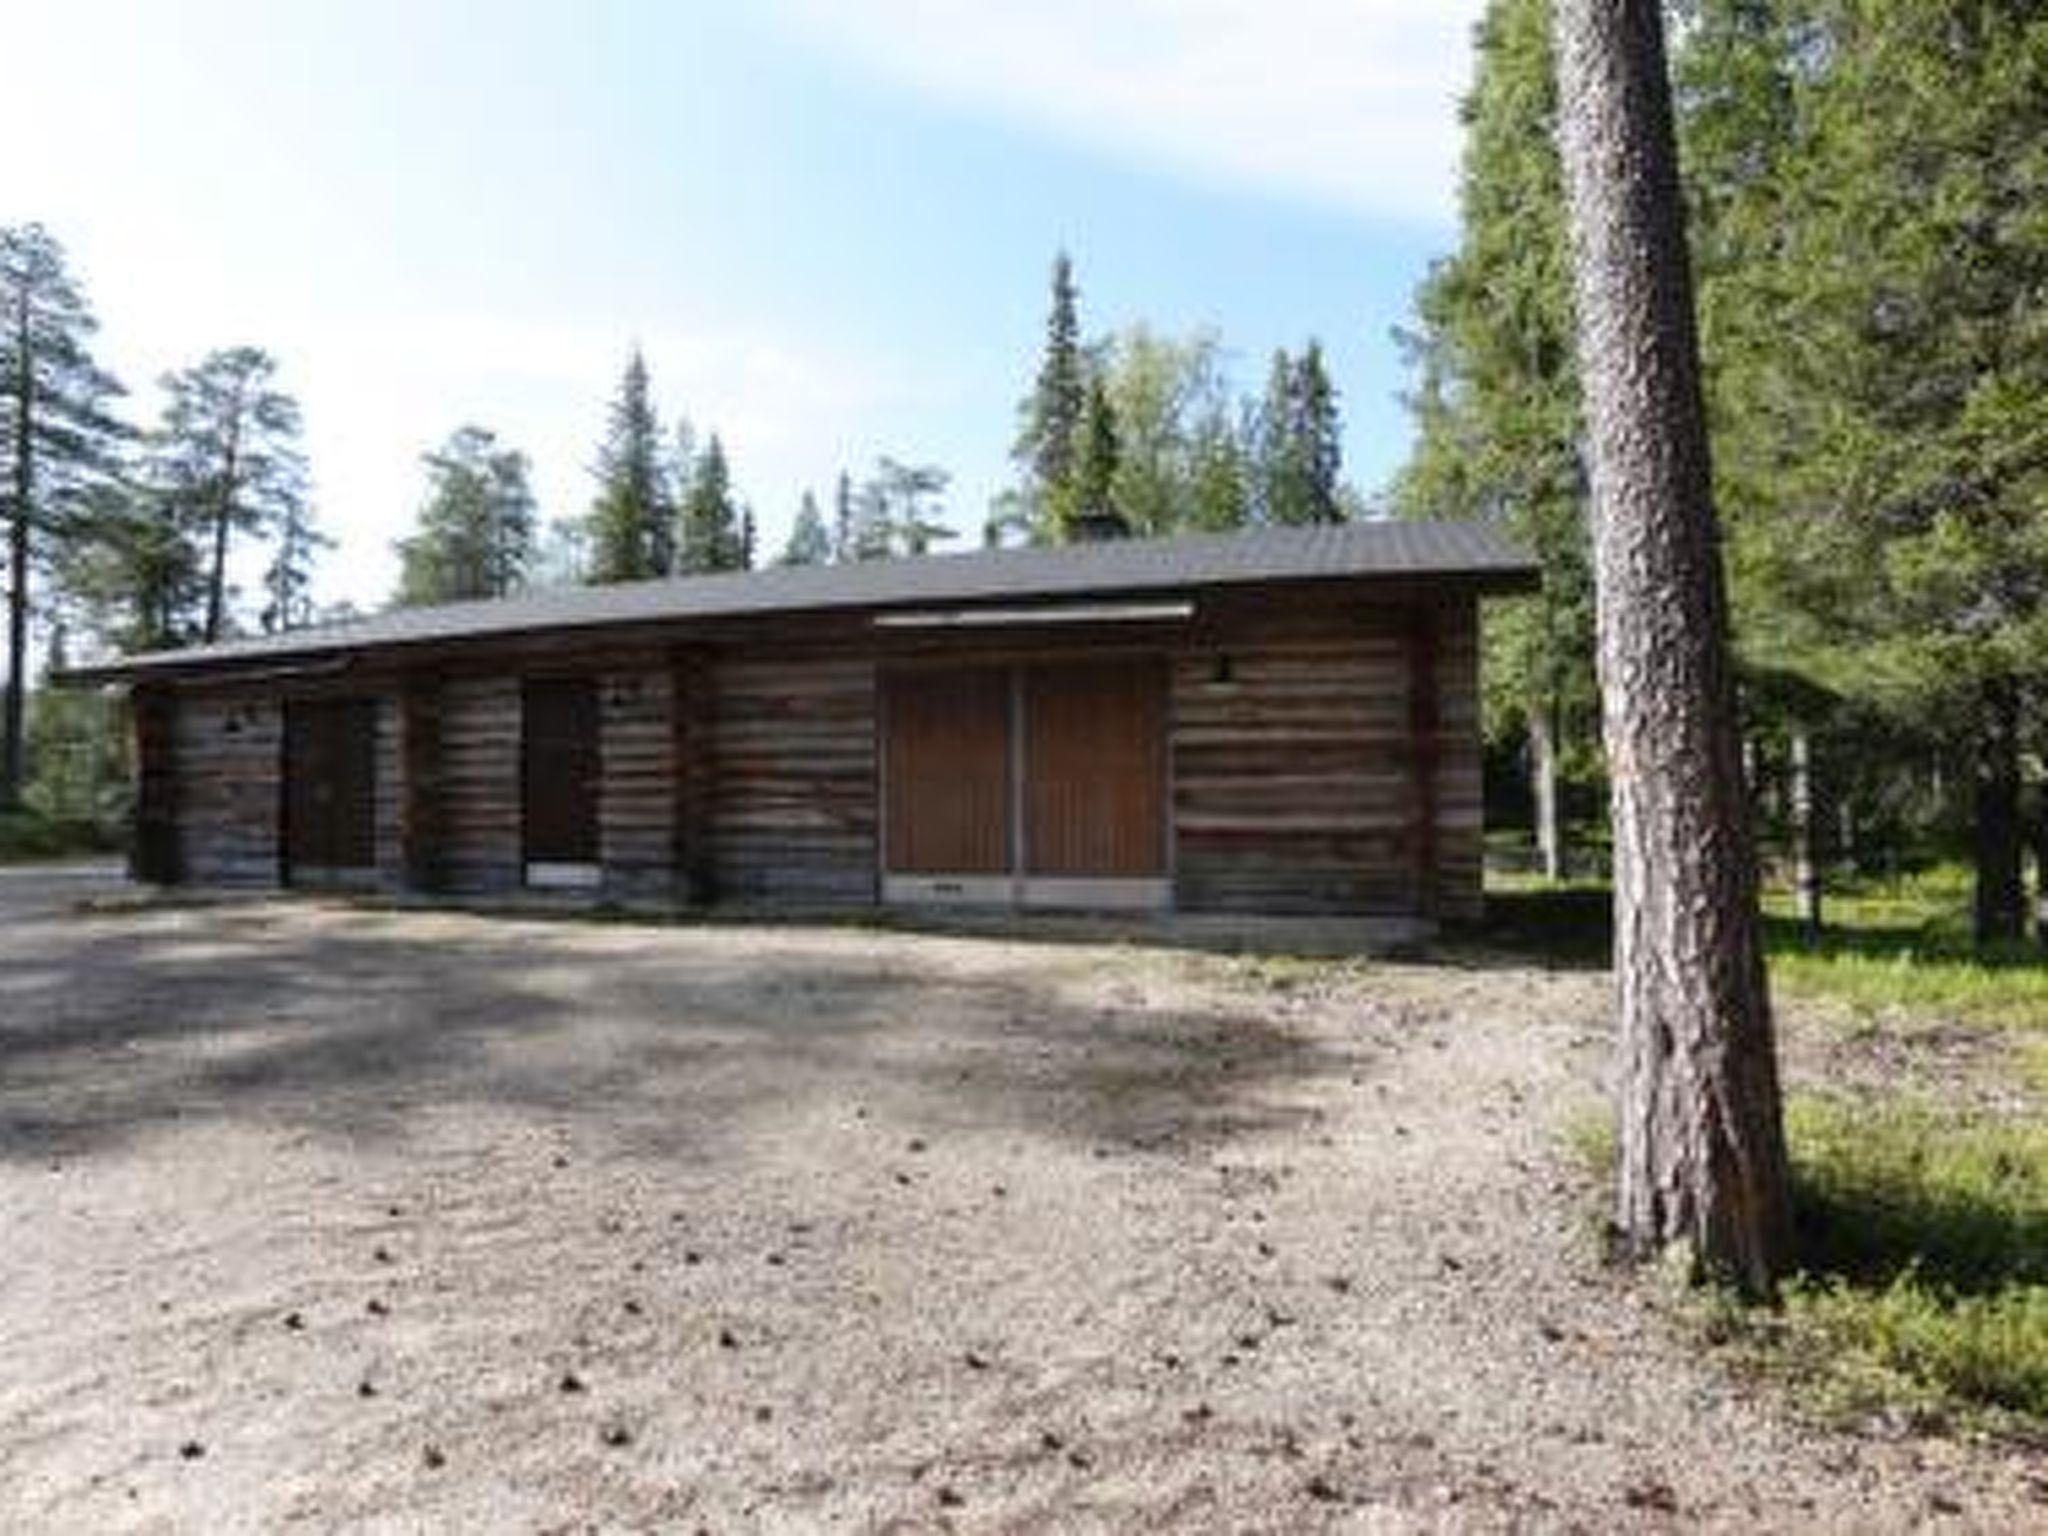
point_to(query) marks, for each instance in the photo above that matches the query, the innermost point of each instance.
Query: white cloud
(1351, 102)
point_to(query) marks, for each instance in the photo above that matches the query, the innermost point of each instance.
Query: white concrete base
(564, 877)
(1031, 891)
(949, 890)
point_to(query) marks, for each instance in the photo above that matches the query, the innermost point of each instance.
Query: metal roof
(1471, 553)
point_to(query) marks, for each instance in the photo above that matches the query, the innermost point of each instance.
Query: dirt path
(338, 1219)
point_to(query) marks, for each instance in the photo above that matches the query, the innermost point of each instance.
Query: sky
(827, 223)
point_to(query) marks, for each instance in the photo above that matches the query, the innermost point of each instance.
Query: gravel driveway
(332, 1218)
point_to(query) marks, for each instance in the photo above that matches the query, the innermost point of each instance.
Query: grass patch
(1922, 1293)
(1897, 947)
(28, 837)
(1924, 1245)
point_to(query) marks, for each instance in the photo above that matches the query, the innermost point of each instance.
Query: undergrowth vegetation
(1922, 1296)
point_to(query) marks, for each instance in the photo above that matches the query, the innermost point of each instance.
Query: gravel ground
(330, 1218)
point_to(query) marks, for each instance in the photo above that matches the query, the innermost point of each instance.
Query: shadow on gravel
(350, 1024)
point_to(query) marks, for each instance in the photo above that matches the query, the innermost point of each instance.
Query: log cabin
(1278, 721)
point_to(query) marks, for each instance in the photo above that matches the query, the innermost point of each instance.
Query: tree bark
(2001, 897)
(1806, 878)
(1543, 770)
(13, 754)
(1701, 1154)
(2041, 868)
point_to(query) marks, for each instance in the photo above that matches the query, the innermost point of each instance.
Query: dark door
(558, 779)
(948, 767)
(1095, 769)
(330, 785)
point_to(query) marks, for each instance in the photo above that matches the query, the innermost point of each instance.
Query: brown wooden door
(947, 757)
(330, 784)
(1095, 769)
(559, 770)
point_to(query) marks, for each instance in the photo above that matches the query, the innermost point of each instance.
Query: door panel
(330, 784)
(1095, 769)
(947, 756)
(559, 770)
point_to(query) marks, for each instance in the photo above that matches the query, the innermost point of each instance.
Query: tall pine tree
(475, 536)
(227, 456)
(57, 443)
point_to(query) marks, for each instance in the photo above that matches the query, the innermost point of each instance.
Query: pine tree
(1048, 442)
(712, 535)
(843, 518)
(633, 518)
(1700, 1150)
(898, 515)
(227, 456)
(289, 579)
(475, 536)
(56, 444)
(809, 543)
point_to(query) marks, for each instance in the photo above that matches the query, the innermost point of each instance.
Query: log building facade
(1280, 721)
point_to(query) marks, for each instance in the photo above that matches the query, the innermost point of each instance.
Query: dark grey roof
(1469, 552)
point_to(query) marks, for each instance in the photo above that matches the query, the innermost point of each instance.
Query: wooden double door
(1042, 783)
(330, 790)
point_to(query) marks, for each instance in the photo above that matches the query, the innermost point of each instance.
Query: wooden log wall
(228, 747)
(1300, 764)
(794, 801)
(1460, 804)
(387, 803)
(421, 842)
(636, 804)
(1297, 768)
(479, 812)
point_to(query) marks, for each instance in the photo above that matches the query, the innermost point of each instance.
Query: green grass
(1924, 1248)
(27, 837)
(1922, 1290)
(1903, 947)
(1922, 1295)
(1897, 948)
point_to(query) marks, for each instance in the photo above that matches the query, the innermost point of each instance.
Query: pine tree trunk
(2001, 898)
(13, 756)
(1543, 769)
(1701, 1155)
(2041, 869)
(1806, 881)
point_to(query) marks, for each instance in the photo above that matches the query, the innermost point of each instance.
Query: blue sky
(828, 225)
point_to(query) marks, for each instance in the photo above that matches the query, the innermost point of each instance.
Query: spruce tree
(227, 456)
(712, 536)
(632, 519)
(1048, 442)
(1090, 506)
(57, 443)
(809, 543)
